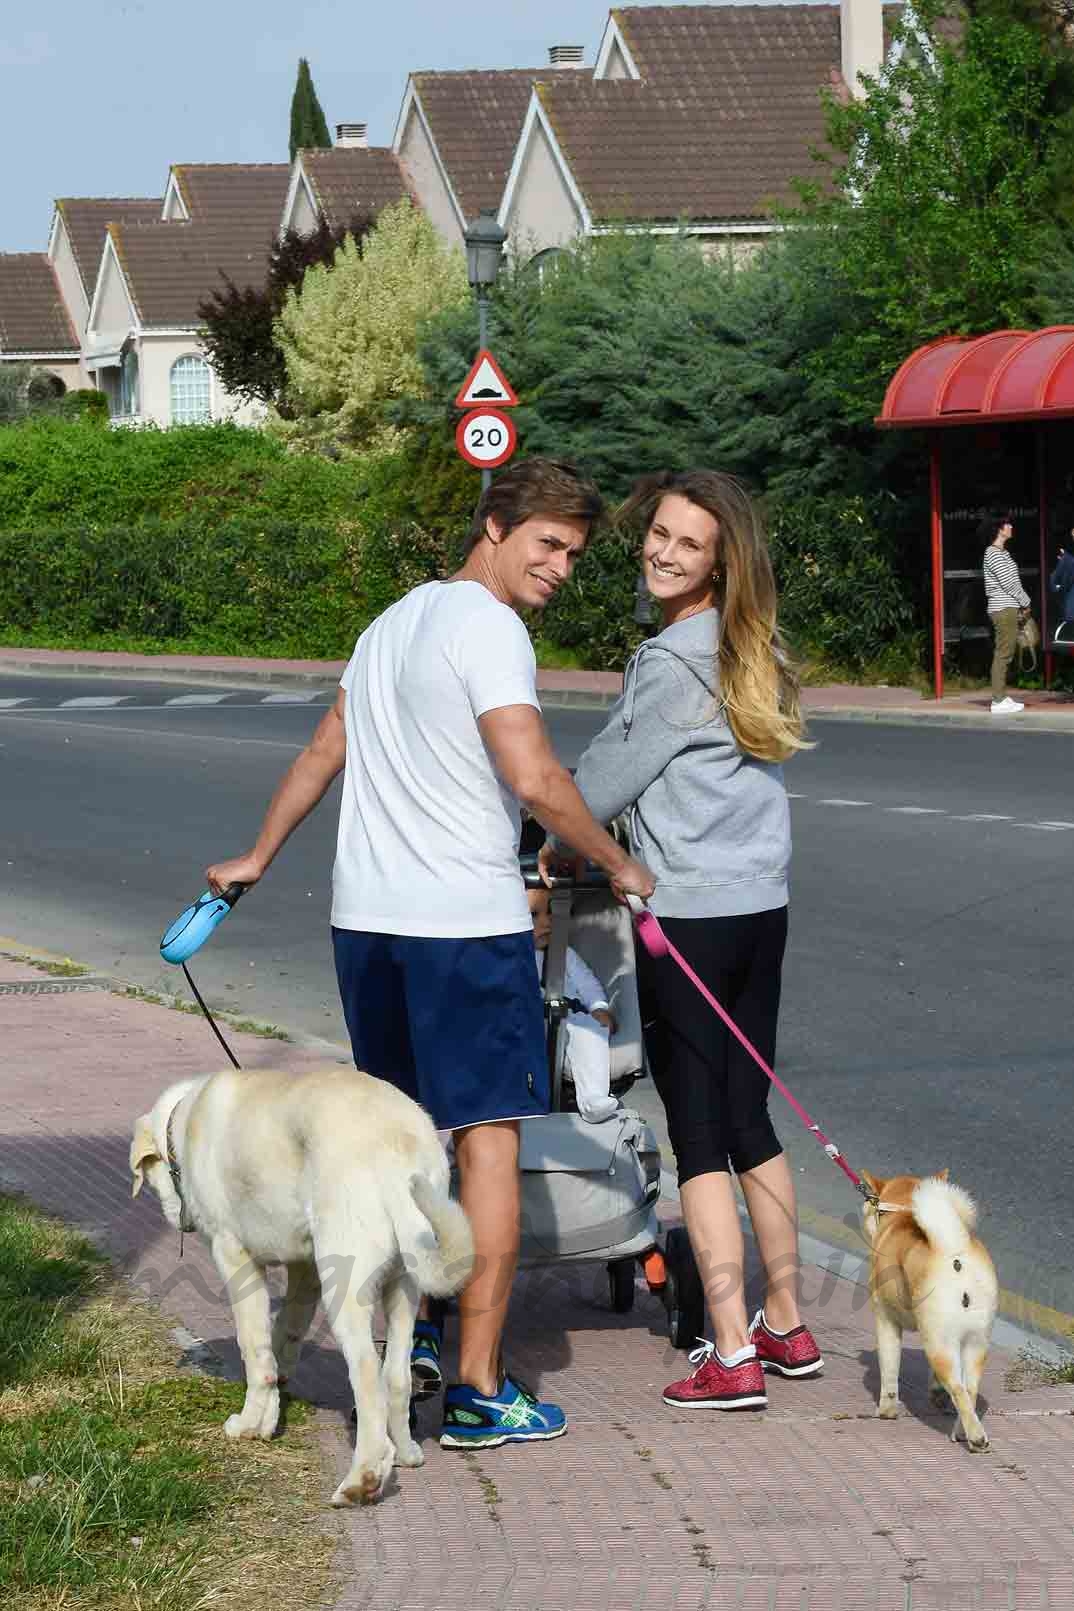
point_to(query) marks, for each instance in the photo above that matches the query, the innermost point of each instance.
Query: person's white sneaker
(1006, 707)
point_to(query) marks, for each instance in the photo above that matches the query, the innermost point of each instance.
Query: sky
(100, 98)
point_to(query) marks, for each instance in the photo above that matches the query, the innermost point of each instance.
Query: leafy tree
(238, 321)
(309, 131)
(349, 335)
(943, 187)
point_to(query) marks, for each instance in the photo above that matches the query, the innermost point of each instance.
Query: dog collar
(186, 1222)
(892, 1208)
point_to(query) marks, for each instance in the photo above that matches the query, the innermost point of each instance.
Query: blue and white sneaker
(474, 1420)
(426, 1377)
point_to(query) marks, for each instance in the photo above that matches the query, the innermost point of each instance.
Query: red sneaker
(716, 1386)
(788, 1353)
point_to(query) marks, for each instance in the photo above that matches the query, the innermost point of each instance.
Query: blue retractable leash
(190, 931)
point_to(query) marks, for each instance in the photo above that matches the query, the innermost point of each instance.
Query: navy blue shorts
(456, 1024)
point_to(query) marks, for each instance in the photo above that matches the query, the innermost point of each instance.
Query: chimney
(566, 55)
(352, 135)
(861, 33)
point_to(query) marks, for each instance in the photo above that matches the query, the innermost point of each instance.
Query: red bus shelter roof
(1005, 376)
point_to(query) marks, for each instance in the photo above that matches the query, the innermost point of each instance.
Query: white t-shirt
(428, 834)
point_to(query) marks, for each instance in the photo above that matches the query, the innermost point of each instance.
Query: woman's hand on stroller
(553, 863)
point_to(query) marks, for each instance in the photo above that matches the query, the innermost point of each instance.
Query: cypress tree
(308, 127)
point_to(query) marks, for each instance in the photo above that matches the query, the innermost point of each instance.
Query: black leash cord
(212, 1021)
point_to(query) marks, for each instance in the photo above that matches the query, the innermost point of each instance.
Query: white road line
(1047, 827)
(917, 811)
(982, 816)
(845, 802)
(94, 701)
(797, 796)
(292, 699)
(1047, 823)
(196, 699)
(9, 704)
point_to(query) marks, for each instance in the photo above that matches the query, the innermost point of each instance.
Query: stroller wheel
(621, 1285)
(684, 1295)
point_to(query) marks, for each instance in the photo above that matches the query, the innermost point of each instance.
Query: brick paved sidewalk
(814, 1504)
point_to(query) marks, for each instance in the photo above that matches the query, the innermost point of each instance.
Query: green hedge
(219, 540)
(228, 588)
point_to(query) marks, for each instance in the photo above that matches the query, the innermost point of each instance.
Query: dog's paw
(365, 1491)
(409, 1454)
(236, 1427)
(888, 1409)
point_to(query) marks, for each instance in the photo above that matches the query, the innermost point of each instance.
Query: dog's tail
(442, 1267)
(945, 1213)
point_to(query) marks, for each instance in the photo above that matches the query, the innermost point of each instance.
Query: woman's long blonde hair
(758, 685)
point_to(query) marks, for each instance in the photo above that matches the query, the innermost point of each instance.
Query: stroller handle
(591, 877)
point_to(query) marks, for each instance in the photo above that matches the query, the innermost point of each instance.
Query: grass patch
(117, 1486)
(62, 968)
(246, 1026)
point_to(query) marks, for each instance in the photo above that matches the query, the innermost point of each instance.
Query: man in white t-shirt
(438, 725)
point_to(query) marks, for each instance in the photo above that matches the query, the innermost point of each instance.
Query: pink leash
(657, 944)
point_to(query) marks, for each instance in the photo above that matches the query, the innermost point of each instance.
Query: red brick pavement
(814, 1506)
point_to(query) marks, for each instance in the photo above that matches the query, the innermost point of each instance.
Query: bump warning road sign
(486, 383)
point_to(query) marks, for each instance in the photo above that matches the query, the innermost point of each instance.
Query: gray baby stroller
(590, 1189)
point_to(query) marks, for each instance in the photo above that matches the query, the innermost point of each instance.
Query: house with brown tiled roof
(34, 324)
(76, 241)
(141, 343)
(695, 117)
(457, 133)
(352, 178)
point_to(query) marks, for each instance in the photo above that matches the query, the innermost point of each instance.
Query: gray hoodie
(711, 823)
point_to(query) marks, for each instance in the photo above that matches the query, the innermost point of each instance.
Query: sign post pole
(482, 343)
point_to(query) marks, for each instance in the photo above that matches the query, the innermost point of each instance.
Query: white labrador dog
(341, 1178)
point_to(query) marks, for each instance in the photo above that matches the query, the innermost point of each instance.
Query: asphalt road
(926, 1005)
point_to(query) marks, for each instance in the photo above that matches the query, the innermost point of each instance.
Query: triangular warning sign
(486, 383)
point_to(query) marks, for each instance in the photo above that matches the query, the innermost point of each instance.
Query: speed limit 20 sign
(486, 438)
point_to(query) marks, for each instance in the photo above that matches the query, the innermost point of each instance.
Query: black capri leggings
(715, 1096)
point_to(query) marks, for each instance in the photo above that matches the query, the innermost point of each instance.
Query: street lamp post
(485, 241)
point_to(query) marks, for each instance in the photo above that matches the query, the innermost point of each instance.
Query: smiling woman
(692, 751)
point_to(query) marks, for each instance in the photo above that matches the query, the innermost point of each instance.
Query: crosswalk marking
(1047, 827)
(291, 699)
(983, 816)
(846, 802)
(9, 704)
(917, 811)
(94, 701)
(196, 699)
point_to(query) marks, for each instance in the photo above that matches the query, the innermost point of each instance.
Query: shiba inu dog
(931, 1274)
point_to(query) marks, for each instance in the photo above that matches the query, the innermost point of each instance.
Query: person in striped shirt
(1006, 599)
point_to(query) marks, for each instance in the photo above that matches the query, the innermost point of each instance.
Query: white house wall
(156, 355)
(615, 66)
(543, 212)
(303, 214)
(114, 316)
(66, 270)
(417, 152)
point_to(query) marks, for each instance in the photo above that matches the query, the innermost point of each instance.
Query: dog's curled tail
(442, 1270)
(945, 1213)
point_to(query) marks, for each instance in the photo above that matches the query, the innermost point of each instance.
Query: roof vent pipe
(566, 55)
(352, 135)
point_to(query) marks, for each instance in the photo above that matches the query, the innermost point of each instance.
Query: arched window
(544, 262)
(191, 397)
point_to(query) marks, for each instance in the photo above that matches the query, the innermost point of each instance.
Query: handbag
(1028, 641)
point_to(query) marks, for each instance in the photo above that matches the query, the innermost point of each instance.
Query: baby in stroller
(589, 1024)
